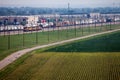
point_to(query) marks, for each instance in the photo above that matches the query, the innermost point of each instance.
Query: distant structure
(94, 15)
(68, 8)
(32, 20)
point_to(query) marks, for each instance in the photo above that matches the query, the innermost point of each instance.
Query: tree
(24, 22)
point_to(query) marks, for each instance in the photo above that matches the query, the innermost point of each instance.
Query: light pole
(68, 20)
(114, 13)
(0, 27)
(8, 35)
(106, 23)
(23, 24)
(75, 28)
(101, 23)
(6, 24)
(110, 23)
(82, 25)
(95, 25)
(48, 31)
(88, 25)
(15, 23)
(58, 29)
(31, 26)
(37, 27)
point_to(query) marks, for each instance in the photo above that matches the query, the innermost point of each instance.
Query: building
(94, 15)
(32, 20)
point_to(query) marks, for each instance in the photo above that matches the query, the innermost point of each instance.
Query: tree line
(6, 11)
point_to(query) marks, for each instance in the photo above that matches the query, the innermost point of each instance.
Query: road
(14, 56)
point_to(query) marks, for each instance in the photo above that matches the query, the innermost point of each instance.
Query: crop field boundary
(14, 56)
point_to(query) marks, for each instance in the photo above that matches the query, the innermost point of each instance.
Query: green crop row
(64, 66)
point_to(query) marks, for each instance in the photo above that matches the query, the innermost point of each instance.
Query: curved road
(6, 61)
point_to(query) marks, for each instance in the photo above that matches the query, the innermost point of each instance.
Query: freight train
(32, 28)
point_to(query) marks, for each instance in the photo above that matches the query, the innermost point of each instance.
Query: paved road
(16, 55)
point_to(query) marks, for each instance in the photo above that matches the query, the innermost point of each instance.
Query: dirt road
(6, 61)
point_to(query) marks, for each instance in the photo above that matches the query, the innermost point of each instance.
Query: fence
(17, 39)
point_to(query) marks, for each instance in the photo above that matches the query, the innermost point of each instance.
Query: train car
(59, 24)
(32, 28)
(11, 28)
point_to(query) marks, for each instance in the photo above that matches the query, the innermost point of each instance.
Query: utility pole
(68, 7)
(4, 26)
(101, 22)
(114, 13)
(23, 37)
(68, 18)
(119, 15)
(8, 32)
(37, 28)
(48, 31)
(75, 27)
(95, 25)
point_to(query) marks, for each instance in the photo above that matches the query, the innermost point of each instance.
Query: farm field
(102, 43)
(71, 61)
(17, 42)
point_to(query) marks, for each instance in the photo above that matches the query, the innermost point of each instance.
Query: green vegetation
(16, 42)
(102, 43)
(69, 65)
(5, 11)
(62, 66)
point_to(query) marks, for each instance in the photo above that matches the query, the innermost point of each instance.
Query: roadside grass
(21, 41)
(51, 64)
